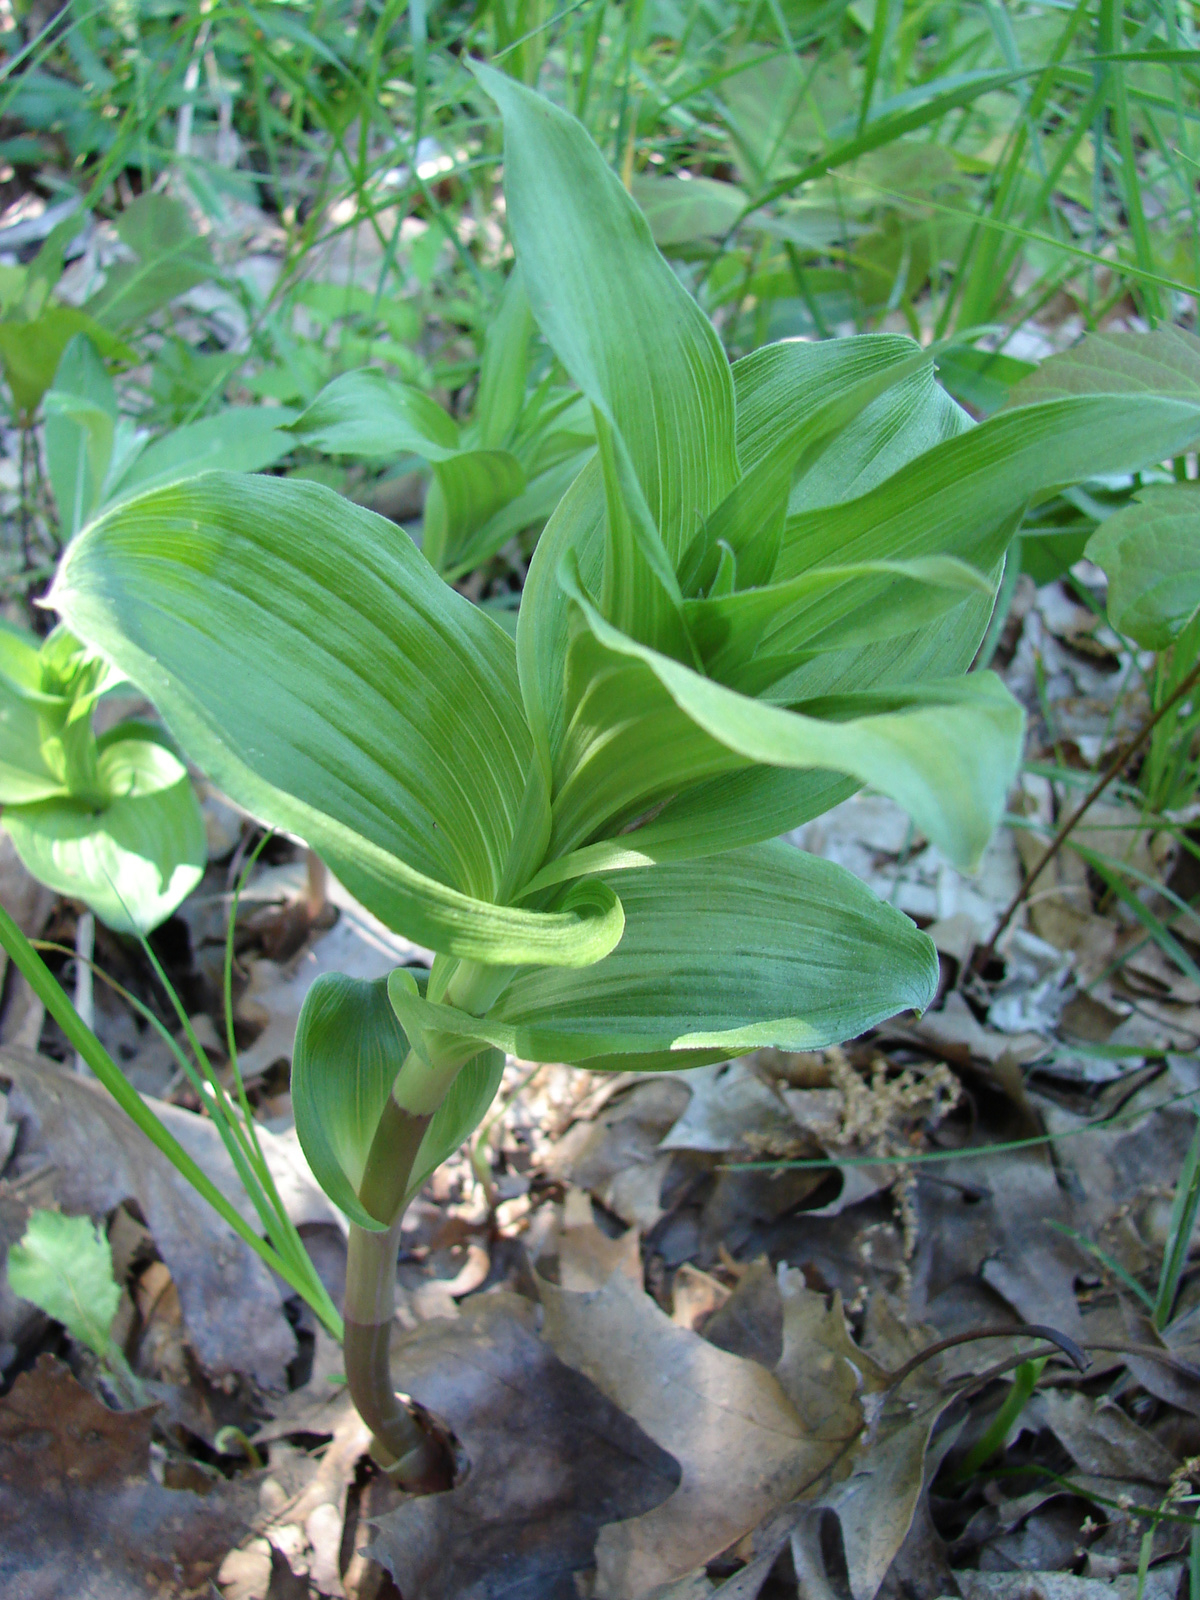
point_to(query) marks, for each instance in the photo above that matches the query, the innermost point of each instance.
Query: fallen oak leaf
(79, 1514)
(1159, 1583)
(872, 1505)
(551, 1461)
(311, 1525)
(1101, 1440)
(742, 1443)
(358, 944)
(587, 1257)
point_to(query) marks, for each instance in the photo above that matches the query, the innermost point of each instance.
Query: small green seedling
(764, 591)
(36, 328)
(110, 820)
(168, 258)
(64, 1266)
(95, 457)
(503, 472)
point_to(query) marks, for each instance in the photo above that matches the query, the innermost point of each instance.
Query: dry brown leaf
(616, 1156)
(1162, 1583)
(729, 1103)
(308, 1531)
(750, 1323)
(741, 1442)
(988, 1222)
(695, 1296)
(1176, 1379)
(358, 945)
(551, 1460)
(832, 1380)
(587, 1257)
(79, 1515)
(1101, 1439)
(956, 1030)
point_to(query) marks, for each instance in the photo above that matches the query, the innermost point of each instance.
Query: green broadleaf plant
(503, 471)
(764, 590)
(110, 820)
(64, 1266)
(1150, 553)
(95, 457)
(36, 329)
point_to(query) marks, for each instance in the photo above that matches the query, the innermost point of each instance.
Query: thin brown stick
(1113, 770)
(1028, 1330)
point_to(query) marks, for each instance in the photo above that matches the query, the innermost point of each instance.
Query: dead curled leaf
(300, 1546)
(80, 1516)
(744, 1444)
(1101, 1440)
(551, 1460)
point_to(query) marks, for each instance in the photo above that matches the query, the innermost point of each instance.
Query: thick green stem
(386, 1176)
(401, 1445)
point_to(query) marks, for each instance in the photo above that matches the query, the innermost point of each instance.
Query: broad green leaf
(172, 258)
(24, 773)
(640, 591)
(533, 505)
(242, 439)
(467, 490)
(886, 432)
(729, 628)
(947, 752)
(82, 452)
(685, 210)
(886, 435)
(81, 412)
(135, 859)
(791, 409)
(948, 500)
(576, 527)
(983, 379)
(615, 314)
(20, 659)
(30, 351)
(764, 946)
(775, 387)
(64, 1265)
(349, 1048)
(368, 414)
(746, 807)
(505, 367)
(1163, 363)
(780, 384)
(1150, 551)
(13, 281)
(307, 657)
(46, 268)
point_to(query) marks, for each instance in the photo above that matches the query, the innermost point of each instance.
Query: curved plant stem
(407, 1450)
(1006, 1331)
(401, 1445)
